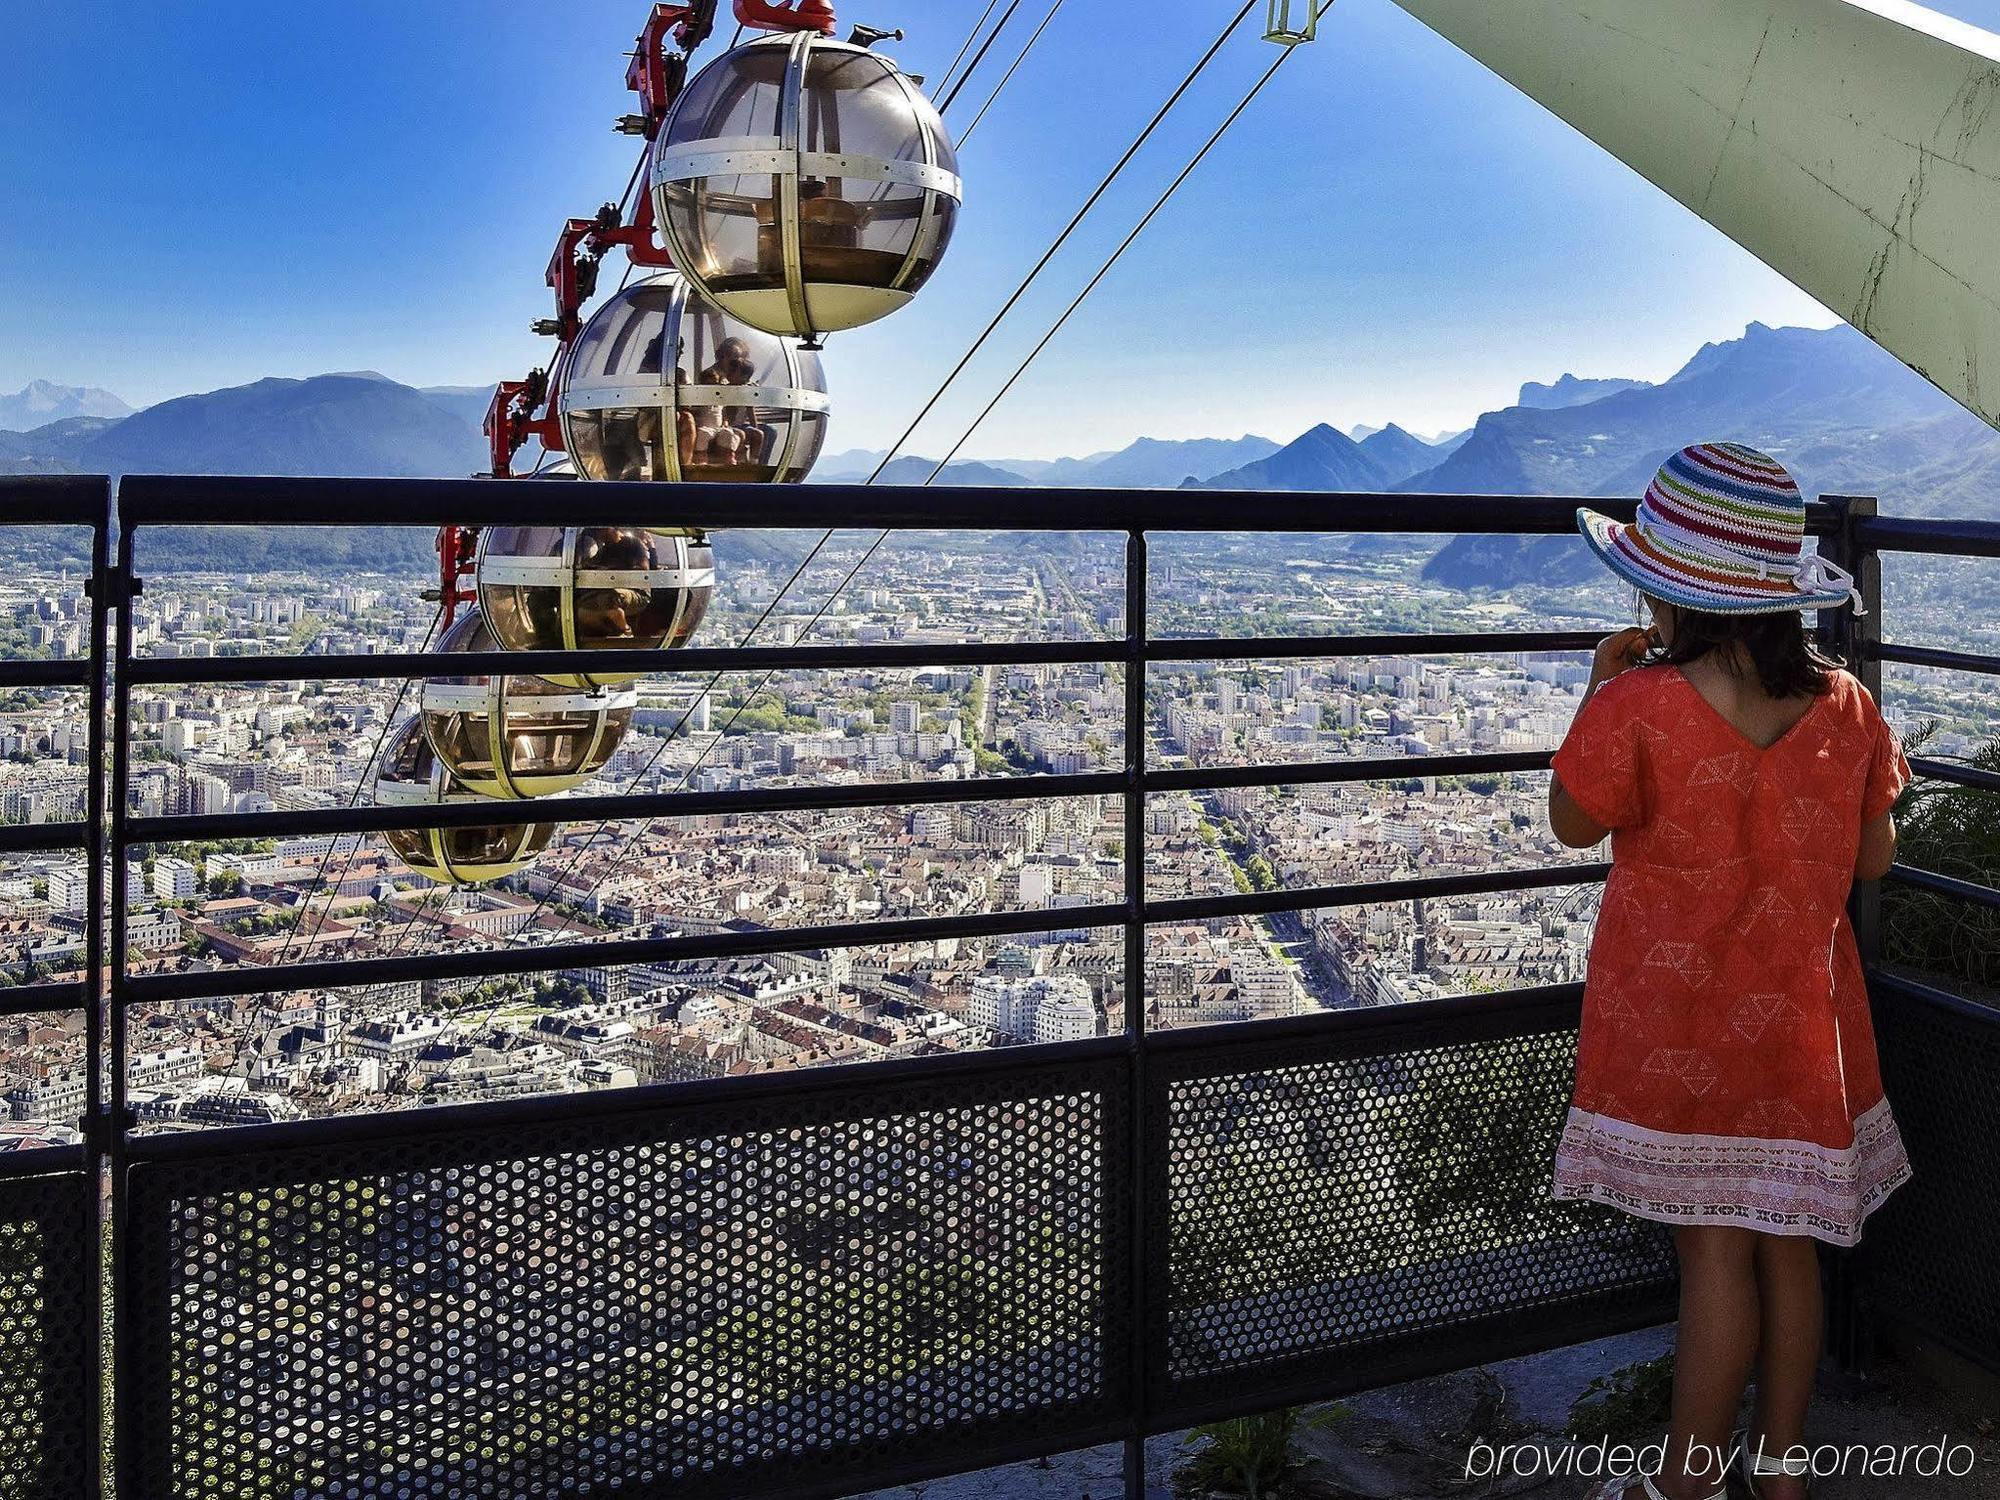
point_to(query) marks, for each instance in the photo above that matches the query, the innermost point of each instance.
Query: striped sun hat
(1721, 529)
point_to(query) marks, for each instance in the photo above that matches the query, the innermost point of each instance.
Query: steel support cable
(688, 775)
(979, 56)
(1063, 238)
(1089, 203)
(1007, 77)
(751, 697)
(1104, 270)
(1048, 255)
(674, 733)
(333, 839)
(1112, 260)
(963, 47)
(353, 801)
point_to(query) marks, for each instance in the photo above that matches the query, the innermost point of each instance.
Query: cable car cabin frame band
(523, 623)
(600, 387)
(802, 289)
(511, 735)
(412, 776)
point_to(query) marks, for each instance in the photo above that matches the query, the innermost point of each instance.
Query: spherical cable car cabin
(549, 738)
(664, 385)
(805, 185)
(412, 776)
(593, 588)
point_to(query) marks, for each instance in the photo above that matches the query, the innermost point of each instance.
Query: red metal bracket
(457, 549)
(787, 15)
(655, 75)
(511, 420)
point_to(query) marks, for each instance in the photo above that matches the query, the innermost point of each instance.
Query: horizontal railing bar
(28, 999)
(1932, 656)
(1321, 772)
(1369, 892)
(57, 672)
(1515, 1012)
(154, 671)
(1930, 994)
(1911, 534)
(163, 499)
(54, 500)
(668, 1098)
(26, 838)
(39, 1161)
(1928, 768)
(619, 807)
(1461, 643)
(243, 979)
(1945, 885)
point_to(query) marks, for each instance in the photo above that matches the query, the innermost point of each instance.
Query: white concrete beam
(1851, 145)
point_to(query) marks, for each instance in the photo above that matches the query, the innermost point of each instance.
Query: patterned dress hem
(1775, 1186)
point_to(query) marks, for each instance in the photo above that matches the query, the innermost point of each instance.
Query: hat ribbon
(1816, 575)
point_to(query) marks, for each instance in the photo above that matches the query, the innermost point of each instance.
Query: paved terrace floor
(1408, 1442)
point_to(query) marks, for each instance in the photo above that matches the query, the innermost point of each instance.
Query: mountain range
(1841, 413)
(39, 403)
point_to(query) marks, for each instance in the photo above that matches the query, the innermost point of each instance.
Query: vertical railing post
(1853, 636)
(1856, 638)
(124, 589)
(1139, 1374)
(102, 592)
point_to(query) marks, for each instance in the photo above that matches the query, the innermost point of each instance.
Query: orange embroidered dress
(1726, 1067)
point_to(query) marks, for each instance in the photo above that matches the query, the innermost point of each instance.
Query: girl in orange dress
(1726, 1079)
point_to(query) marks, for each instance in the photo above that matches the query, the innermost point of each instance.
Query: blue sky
(201, 195)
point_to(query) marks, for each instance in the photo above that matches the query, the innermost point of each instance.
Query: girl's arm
(1571, 825)
(1878, 848)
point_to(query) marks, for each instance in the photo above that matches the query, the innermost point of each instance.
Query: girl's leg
(1713, 1352)
(1788, 1288)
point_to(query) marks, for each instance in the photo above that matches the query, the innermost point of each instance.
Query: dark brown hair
(1787, 661)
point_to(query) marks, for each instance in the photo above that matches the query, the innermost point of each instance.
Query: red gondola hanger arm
(787, 15)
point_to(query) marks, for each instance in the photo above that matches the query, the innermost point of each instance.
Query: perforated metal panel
(48, 1389)
(1368, 1205)
(1931, 1254)
(705, 1300)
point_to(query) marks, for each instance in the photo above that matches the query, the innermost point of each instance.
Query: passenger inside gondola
(729, 434)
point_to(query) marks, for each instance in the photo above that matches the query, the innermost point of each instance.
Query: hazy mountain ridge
(1148, 463)
(1569, 390)
(1843, 414)
(41, 402)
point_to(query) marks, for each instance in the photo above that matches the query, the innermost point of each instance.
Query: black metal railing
(823, 1282)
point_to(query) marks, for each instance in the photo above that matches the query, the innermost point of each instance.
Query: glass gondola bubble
(593, 588)
(550, 738)
(411, 776)
(804, 184)
(664, 385)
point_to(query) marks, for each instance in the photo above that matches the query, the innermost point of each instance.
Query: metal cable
(333, 840)
(964, 47)
(354, 800)
(1063, 238)
(1020, 57)
(979, 56)
(743, 707)
(681, 723)
(1132, 150)
(1112, 260)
